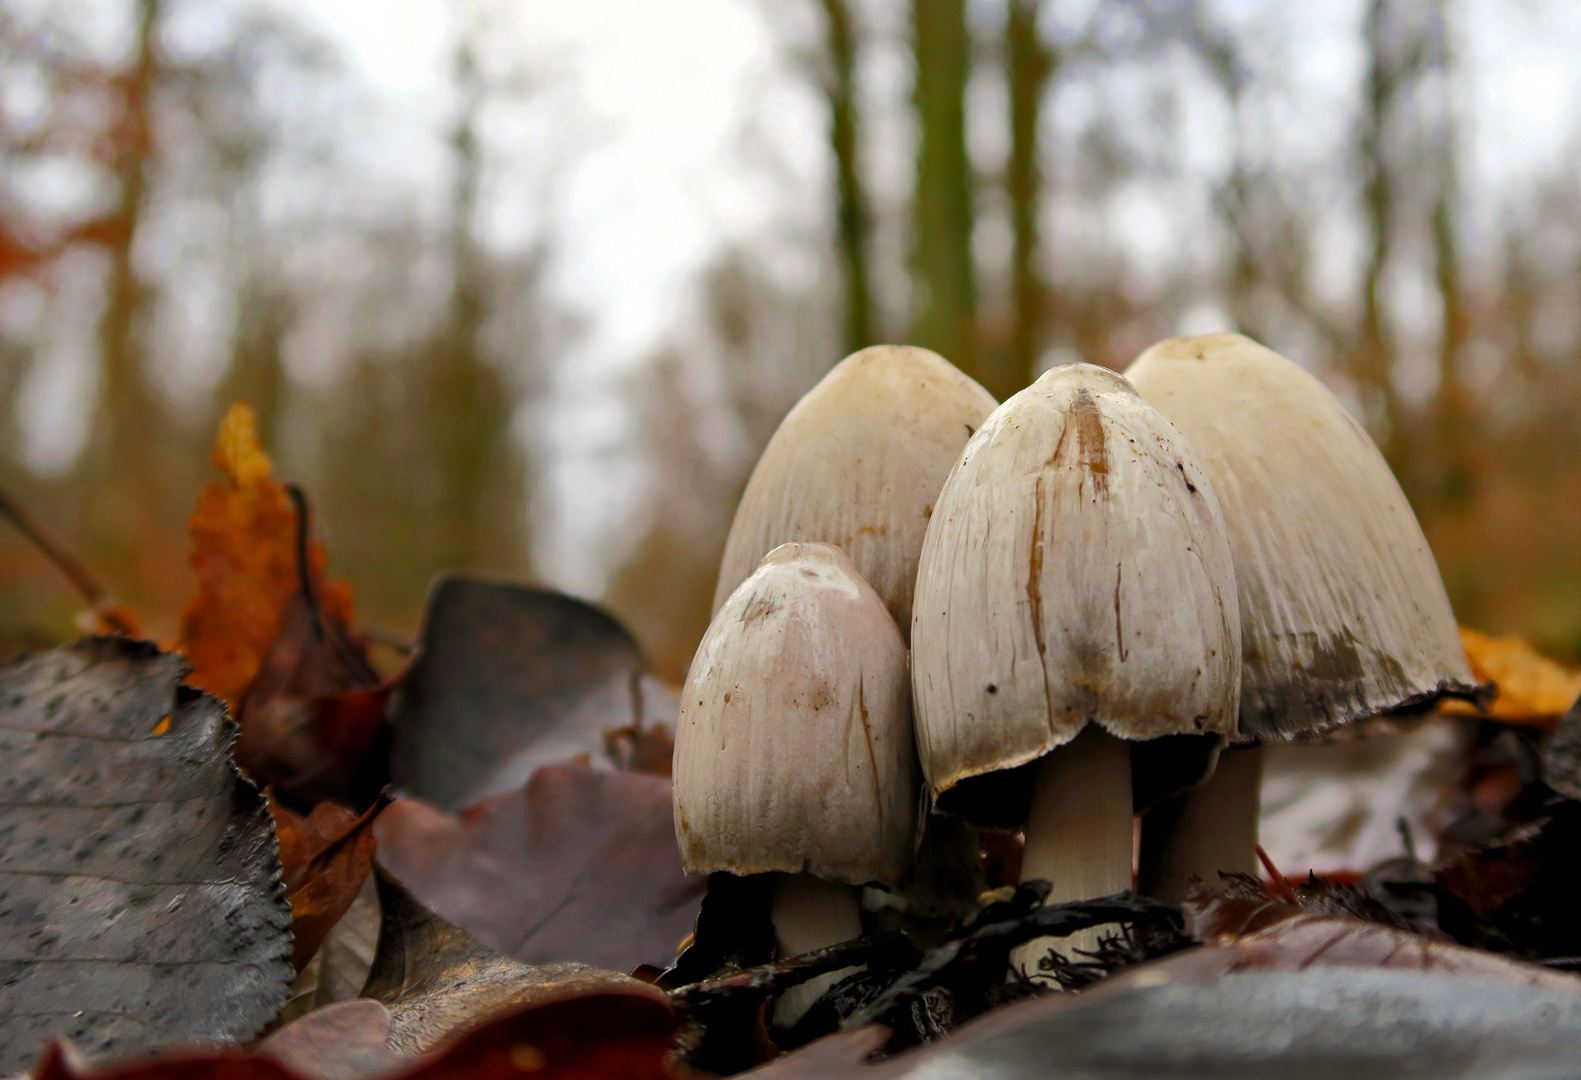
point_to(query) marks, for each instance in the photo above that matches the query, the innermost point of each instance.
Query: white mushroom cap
(794, 747)
(1075, 572)
(1343, 612)
(858, 463)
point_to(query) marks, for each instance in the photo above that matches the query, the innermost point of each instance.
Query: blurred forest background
(522, 288)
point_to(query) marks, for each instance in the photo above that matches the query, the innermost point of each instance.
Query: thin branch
(75, 569)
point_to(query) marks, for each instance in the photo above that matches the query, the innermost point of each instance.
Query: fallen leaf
(1357, 1023)
(1519, 895)
(580, 864)
(140, 898)
(1305, 941)
(508, 678)
(270, 634)
(244, 534)
(339, 969)
(348, 1040)
(841, 1056)
(436, 979)
(1533, 690)
(1561, 757)
(312, 720)
(325, 858)
(602, 1036)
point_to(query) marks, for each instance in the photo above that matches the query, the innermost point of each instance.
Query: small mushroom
(858, 463)
(793, 754)
(1075, 595)
(1343, 613)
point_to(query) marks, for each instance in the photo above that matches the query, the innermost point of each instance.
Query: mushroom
(858, 463)
(1343, 613)
(793, 753)
(1075, 595)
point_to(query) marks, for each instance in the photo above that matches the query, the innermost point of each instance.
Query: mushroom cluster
(1106, 583)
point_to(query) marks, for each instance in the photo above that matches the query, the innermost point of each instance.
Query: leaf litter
(545, 859)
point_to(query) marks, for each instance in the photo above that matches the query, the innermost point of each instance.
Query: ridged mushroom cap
(1343, 612)
(858, 463)
(1075, 572)
(794, 747)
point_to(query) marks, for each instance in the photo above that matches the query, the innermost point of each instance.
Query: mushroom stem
(1079, 831)
(1203, 832)
(810, 913)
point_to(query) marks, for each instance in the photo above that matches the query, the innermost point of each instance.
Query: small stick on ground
(75, 570)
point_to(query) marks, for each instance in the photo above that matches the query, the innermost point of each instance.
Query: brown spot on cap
(1091, 451)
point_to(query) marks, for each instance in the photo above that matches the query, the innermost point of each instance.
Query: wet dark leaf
(509, 678)
(724, 1031)
(733, 930)
(580, 864)
(437, 979)
(1561, 757)
(966, 974)
(140, 897)
(1325, 1022)
(1519, 895)
(842, 1056)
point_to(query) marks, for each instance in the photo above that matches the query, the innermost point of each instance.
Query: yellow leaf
(1533, 690)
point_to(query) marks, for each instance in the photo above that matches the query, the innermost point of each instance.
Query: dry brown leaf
(325, 857)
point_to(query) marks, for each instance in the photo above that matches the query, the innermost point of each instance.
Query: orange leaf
(1533, 690)
(324, 859)
(243, 551)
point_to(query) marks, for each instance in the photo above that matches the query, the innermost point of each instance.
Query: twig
(56, 552)
(882, 950)
(1279, 885)
(118, 620)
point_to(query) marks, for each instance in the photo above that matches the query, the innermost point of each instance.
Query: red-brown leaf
(580, 864)
(325, 858)
(590, 1037)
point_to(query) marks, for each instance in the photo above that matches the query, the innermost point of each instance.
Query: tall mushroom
(1343, 613)
(858, 463)
(793, 754)
(1075, 595)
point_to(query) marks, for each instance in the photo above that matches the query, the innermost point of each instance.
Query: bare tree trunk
(257, 369)
(944, 292)
(1030, 63)
(1450, 406)
(854, 220)
(1372, 363)
(122, 458)
(475, 503)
